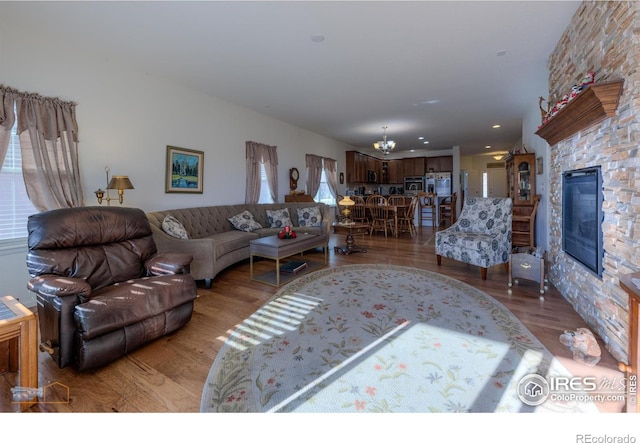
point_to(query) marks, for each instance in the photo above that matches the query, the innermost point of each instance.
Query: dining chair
(406, 222)
(397, 200)
(426, 207)
(378, 207)
(359, 210)
(447, 209)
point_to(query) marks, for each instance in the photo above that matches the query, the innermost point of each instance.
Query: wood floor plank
(169, 373)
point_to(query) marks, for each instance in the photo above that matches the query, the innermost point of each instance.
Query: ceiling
(447, 71)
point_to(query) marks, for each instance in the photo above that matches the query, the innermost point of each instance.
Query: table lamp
(346, 202)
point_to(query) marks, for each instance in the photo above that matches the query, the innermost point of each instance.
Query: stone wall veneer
(603, 37)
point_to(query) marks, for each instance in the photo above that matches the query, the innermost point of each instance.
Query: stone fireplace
(601, 37)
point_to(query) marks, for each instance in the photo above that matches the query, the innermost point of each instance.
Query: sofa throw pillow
(309, 216)
(174, 228)
(279, 218)
(245, 222)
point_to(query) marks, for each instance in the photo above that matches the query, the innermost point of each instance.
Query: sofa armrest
(58, 286)
(201, 249)
(168, 263)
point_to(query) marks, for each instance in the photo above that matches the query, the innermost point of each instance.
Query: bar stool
(427, 207)
(447, 209)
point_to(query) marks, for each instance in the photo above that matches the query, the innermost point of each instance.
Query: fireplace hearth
(582, 217)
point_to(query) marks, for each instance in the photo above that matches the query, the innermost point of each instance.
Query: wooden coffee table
(18, 326)
(277, 249)
(350, 229)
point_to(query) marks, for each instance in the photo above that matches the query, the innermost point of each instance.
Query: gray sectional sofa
(215, 243)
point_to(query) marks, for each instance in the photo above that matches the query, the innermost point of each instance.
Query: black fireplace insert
(582, 217)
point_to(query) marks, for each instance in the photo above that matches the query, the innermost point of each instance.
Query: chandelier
(384, 146)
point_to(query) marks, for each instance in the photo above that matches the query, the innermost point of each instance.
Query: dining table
(396, 209)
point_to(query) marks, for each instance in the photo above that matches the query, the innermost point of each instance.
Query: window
(265, 191)
(15, 207)
(485, 184)
(324, 195)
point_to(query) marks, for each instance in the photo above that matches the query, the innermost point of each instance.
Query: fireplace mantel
(597, 102)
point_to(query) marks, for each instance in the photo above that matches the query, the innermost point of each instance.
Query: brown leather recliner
(102, 289)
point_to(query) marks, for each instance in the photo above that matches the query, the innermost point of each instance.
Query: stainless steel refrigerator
(443, 183)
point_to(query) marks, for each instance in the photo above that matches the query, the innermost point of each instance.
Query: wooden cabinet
(633, 367)
(414, 166)
(374, 164)
(396, 171)
(523, 224)
(521, 179)
(521, 188)
(291, 198)
(439, 164)
(356, 167)
(391, 172)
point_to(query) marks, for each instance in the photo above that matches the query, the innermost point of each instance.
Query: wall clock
(294, 175)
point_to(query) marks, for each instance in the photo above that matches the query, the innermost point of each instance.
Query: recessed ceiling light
(412, 150)
(495, 126)
(317, 38)
(426, 142)
(421, 138)
(487, 147)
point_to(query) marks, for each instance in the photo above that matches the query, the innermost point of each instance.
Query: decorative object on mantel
(287, 233)
(592, 105)
(384, 146)
(119, 182)
(551, 112)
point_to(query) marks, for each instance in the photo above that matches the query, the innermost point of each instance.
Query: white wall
(127, 118)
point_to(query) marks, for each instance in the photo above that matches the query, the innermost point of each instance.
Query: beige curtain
(48, 134)
(314, 173)
(330, 171)
(258, 153)
(7, 119)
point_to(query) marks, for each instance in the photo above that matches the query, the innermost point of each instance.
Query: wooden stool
(447, 209)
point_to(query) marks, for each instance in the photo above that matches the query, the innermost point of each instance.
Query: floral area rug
(379, 338)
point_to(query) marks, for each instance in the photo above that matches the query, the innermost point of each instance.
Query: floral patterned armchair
(481, 236)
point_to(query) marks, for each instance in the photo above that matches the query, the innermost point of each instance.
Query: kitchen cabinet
(414, 166)
(392, 172)
(374, 164)
(357, 166)
(439, 164)
(396, 171)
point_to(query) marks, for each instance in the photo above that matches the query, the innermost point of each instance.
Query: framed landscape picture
(184, 170)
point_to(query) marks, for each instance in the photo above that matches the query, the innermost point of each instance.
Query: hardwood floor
(168, 375)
